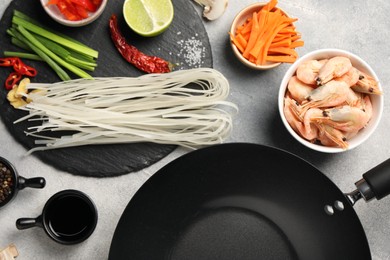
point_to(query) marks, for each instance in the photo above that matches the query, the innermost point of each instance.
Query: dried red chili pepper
(12, 80)
(149, 64)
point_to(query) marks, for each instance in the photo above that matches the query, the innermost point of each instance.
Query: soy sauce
(70, 216)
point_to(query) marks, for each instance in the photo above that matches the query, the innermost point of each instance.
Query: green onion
(54, 37)
(58, 50)
(60, 72)
(56, 58)
(22, 55)
(31, 20)
(20, 44)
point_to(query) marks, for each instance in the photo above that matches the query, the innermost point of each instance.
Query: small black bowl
(11, 182)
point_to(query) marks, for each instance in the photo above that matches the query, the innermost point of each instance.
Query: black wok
(245, 201)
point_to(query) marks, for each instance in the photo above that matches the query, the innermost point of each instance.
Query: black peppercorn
(6, 182)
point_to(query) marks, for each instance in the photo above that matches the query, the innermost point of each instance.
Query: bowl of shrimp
(330, 100)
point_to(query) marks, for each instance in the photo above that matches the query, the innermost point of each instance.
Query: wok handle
(378, 179)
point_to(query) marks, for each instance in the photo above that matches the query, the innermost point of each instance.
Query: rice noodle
(184, 108)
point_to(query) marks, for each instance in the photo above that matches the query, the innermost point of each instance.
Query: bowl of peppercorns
(11, 182)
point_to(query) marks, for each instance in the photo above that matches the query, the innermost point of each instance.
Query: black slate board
(186, 31)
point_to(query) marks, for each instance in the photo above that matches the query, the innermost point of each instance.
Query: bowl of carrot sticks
(330, 100)
(263, 36)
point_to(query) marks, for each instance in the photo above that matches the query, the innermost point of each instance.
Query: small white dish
(54, 13)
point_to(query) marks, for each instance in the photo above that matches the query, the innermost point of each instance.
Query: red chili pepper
(149, 64)
(81, 11)
(12, 80)
(68, 10)
(24, 69)
(87, 4)
(7, 62)
(20, 69)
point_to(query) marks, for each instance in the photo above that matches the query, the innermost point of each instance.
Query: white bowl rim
(365, 67)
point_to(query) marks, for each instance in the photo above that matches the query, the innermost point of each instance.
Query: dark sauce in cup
(70, 217)
(7, 183)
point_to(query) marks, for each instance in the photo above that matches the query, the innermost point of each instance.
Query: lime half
(148, 17)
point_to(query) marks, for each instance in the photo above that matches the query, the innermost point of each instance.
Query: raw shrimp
(354, 99)
(307, 72)
(351, 77)
(291, 111)
(331, 94)
(333, 68)
(347, 119)
(310, 127)
(329, 136)
(367, 84)
(298, 90)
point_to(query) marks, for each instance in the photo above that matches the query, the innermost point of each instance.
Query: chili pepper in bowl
(148, 64)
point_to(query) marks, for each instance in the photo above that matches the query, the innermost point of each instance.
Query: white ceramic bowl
(54, 13)
(239, 19)
(376, 100)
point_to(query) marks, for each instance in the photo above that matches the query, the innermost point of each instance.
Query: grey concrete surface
(357, 26)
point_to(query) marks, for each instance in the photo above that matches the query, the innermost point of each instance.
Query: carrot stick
(255, 51)
(270, 5)
(247, 27)
(262, 57)
(236, 42)
(253, 37)
(281, 58)
(242, 41)
(296, 44)
(283, 43)
(283, 50)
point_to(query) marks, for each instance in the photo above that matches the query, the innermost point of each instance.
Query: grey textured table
(357, 26)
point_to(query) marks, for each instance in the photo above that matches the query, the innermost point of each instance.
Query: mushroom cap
(213, 9)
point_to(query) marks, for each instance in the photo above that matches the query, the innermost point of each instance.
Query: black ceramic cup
(68, 217)
(11, 182)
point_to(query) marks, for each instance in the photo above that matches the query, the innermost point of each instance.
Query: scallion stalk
(79, 72)
(35, 22)
(22, 55)
(54, 37)
(60, 72)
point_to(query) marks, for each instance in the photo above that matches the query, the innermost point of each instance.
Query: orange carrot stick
(253, 37)
(281, 58)
(296, 44)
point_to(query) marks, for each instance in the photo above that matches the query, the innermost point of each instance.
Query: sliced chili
(24, 69)
(12, 80)
(86, 4)
(7, 62)
(149, 64)
(20, 69)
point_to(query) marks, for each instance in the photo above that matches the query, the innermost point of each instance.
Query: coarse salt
(193, 52)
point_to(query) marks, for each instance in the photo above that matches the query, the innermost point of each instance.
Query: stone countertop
(360, 27)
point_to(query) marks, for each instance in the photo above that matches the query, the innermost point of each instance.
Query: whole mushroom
(213, 9)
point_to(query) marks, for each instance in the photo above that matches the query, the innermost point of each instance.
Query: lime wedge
(148, 17)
